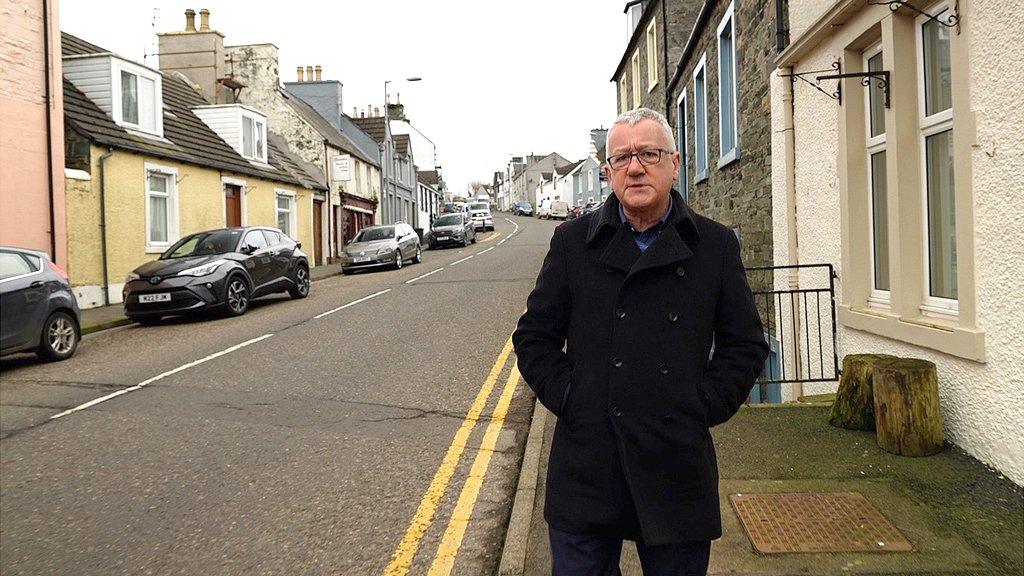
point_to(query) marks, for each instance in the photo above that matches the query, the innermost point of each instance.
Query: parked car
(449, 229)
(558, 210)
(543, 209)
(480, 212)
(590, 207)
(522, 208)
(38, 310)
(222, 269)
(379, 246)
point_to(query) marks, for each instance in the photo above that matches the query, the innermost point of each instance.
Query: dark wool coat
(634, 390)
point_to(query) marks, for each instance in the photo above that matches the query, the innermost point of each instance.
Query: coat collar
(680, 216)
(622, 252)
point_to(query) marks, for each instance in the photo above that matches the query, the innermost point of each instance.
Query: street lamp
(388, 150)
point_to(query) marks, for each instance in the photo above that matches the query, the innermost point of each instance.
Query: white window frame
(683, 143)
(224, 180)
(590, 180)
(700, 70)
(727, 156)
(635, 69)
(292, 232)
(258, 120)
(623, 95)
(173, 225)
(932, 306)
(117, 66)
(873, 145)
(651, 36)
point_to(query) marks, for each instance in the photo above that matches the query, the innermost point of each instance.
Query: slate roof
(562, 171)
(361, 139)
(325, 128)
(186, 137)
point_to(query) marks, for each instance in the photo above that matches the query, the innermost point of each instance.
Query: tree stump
(908, 419)
(854, 406)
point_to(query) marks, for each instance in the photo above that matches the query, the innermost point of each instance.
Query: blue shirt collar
(661, 221)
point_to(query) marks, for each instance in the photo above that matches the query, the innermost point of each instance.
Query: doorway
(318, 232)
(232, 205)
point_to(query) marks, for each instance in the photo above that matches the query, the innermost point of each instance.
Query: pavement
(961, 517)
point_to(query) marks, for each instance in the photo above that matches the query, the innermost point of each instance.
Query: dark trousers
(593, 555)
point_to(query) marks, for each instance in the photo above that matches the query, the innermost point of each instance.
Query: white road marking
(463, 260)
(424, 276)
(353, 303)
(159, 377)
(487, 250)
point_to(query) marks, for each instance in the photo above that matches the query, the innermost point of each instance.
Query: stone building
(398, 202)
(526, 179)
(910, 186)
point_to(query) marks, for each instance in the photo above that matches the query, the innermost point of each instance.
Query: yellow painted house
(149, 161)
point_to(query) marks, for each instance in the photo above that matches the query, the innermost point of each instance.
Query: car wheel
(301, 288)
(398, 259)
(60, 337)
(236, 296)
(419, 255)
(474, 239)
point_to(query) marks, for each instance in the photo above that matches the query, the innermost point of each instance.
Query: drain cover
(816, 522)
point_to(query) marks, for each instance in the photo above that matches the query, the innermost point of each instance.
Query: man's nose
(635, 167)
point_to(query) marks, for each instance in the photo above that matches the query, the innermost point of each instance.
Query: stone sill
(934, 333)
(732, 156)
(700, 176)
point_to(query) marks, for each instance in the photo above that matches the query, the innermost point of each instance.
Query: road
(334, 434)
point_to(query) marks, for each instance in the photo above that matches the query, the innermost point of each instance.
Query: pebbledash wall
(982, 399)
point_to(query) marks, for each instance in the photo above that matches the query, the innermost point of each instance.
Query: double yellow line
(444, 560)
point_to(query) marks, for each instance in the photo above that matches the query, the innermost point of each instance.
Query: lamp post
(388, 148)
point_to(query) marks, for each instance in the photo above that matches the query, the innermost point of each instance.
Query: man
(637, 292)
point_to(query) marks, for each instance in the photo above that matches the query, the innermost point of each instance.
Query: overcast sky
(499, 78)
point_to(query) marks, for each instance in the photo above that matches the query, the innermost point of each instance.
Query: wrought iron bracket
(951, 21)
(880, 76)
(836, 67)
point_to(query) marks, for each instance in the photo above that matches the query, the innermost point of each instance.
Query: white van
(559, 210)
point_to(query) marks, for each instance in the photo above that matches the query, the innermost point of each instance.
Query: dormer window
(254, 134)
(138, 90)
(242, 127)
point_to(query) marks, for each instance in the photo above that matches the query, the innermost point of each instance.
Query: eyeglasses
(646, 157)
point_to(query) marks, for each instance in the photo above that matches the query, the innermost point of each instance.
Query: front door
(318, 230)
(232, 205)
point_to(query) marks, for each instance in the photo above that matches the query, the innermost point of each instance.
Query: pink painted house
(32, 211)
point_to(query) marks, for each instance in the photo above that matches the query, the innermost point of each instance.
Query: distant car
(558, 210)
(522, 208)
(222, 269)
(590, 207)
(449, 229)
(480, 212)
(448, 208)
(544, 209)
(380, 246)
(38, 310)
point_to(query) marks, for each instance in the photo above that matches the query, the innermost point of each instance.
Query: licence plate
(150, 298)
(362, 258)
(442, 237)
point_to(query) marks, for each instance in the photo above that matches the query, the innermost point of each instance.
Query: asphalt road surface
(375, 427)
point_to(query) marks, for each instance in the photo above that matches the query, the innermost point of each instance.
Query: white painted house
(911, 188)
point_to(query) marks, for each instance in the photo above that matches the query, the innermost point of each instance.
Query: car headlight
(202, 270)
(385, 250)
(131, 276)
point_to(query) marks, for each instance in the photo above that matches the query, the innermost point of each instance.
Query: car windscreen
(204, 244)
(371, 234)
(452, 220)
(479, 206)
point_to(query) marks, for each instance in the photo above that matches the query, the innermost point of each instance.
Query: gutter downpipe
(103, 225)
(793, 244)
(49, 129)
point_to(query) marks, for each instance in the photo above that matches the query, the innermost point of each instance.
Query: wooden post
(908, 418)
(854, 406)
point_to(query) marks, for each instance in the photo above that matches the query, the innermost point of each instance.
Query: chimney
(204, 20)
(298, 73)
(362, 114)
(318, 69)
(355, 112)
(190, 20)
(199, 55)
(376, 112)
(309, 73)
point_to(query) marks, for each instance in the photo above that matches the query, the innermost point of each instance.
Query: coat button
(664, 369)
(616, 411)
(680, 271)
(667, 419)
(608, 269)
(617, 362)
(620, 313)
(672, 316)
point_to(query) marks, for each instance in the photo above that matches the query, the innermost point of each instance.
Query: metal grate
(816, 522)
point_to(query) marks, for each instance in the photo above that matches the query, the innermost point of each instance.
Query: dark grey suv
(38, 310)
(454, 229)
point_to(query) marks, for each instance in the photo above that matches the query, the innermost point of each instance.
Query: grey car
(382, 246)
(38, 310)
(452, 229)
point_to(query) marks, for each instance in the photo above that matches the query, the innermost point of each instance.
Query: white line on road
(424, 276)
(160, 377)
(487, 250)
(463, 260)
(353, 303)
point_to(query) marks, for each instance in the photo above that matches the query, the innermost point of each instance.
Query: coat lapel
(622, 252)
(668, 248)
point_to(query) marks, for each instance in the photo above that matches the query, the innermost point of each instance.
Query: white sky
(499, 78)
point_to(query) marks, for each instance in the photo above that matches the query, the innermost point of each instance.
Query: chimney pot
(190, 20)
(204, 20)
(298, 73)
(376, 112)
(309, 73)
(355, 112)
(398, 97)
(318, 69)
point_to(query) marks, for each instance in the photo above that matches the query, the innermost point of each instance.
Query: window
(161, 207)
(286, 213)
(636, 79)
(652, 55)
(878, 193)
(700, 120)
(14, 265)
(623, 104)
(936, 132)
(727, 121)
(254, 240)
(273, 238)
(139, 106)
(590, 180)
(684, 185)
(254, 134)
